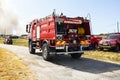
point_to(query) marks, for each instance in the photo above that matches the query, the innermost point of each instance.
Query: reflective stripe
(58, 42)
(84, 42)
(61, 42)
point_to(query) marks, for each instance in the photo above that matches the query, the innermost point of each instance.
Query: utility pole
(118, 26)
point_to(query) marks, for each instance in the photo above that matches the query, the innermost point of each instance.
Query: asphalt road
(65, 68)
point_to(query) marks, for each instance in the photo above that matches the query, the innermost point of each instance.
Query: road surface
(65, 68)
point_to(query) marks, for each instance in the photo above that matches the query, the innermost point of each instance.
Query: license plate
(105, 44)
(59, 47)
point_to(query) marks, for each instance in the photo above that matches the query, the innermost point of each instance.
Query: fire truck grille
(75, 48)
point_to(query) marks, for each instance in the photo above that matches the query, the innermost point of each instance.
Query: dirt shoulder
(13, 68)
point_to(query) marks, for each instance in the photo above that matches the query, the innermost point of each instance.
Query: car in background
(94, 41)
(91, 42)
(112, 41)
(8, 40)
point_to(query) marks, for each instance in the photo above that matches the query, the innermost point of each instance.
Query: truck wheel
(11, 42)
(45, 52)
(31, 48)
(117, 48)
(76, 55)
(101, 49)
(95, 46)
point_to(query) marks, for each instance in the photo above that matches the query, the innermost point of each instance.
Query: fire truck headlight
(101, 42)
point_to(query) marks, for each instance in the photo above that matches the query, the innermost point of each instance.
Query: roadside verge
(13, 68)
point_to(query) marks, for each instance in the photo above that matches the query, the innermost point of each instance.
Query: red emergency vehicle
(112, 42)
(58, 35)
(94, 41)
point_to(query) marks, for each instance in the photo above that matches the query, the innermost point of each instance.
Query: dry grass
(103, 55)
(13, 68)
(18, 42)
(1, 40)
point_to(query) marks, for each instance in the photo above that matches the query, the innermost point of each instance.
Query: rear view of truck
(58, 35)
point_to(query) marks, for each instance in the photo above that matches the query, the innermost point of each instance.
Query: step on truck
(58, 34)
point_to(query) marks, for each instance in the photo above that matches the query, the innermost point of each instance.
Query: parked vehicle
(58, 35)
(111, 42)
(94, 41)
(8, 40)
(91, 42)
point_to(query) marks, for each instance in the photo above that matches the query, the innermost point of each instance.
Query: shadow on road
(86, 64)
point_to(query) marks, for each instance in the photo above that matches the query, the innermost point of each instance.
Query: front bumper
(68, 50)
(86, 45)
(73, 52)
(106, 46)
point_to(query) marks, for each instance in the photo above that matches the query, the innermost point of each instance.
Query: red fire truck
(58, 35)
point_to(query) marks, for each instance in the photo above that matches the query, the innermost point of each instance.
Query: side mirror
(28, 28)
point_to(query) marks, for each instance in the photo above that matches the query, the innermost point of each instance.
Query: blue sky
(104, 13)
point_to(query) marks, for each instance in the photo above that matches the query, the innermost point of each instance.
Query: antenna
(118, 26)
(54, 12)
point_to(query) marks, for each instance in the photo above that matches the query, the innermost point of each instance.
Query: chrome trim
(74, 52)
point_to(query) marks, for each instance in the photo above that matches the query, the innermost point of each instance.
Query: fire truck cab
(58, 35)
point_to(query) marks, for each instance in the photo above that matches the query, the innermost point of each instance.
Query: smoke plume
(8, 20)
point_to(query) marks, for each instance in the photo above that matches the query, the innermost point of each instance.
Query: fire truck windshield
(112, 37)
(60, 28)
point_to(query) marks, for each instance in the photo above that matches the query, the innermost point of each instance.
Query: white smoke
(8, 20)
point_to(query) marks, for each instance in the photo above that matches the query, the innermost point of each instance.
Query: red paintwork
(95, 39)
(48, 29)
(112, 43)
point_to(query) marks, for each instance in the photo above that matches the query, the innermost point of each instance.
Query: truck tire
(76, 55)
(11, 42)
(45, 52)
(31, 48)
(117, 48)
(95, 46)
(101, 49)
